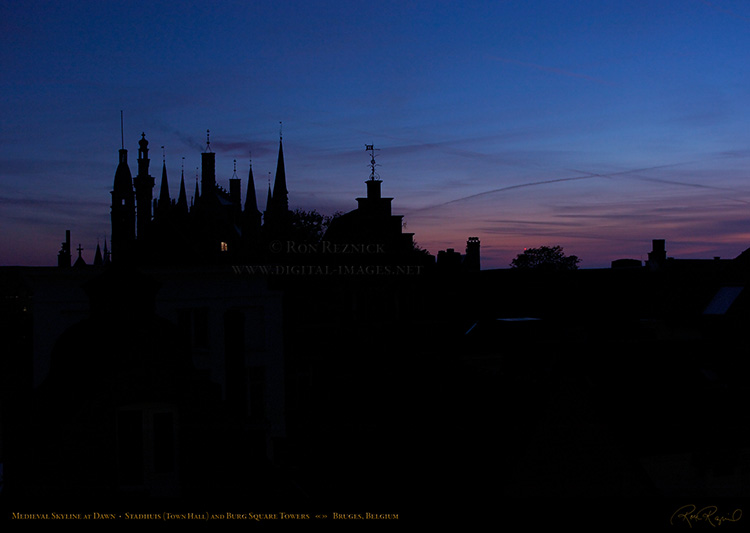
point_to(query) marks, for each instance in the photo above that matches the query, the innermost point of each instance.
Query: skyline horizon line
(230, 147)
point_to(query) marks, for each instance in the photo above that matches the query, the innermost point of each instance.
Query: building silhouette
(214, 228)
(372, 222)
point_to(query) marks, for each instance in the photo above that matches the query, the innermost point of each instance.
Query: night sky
(594, 125)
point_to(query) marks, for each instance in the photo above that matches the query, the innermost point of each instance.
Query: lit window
(224, 247)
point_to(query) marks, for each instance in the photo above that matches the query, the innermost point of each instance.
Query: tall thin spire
(251, 202)
(164, 192)
(182, 206)
(251, 216)
(280, 193)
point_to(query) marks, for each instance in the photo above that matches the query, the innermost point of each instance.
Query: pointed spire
(280, 193)
(251, 203)
(269, 199)
(98, 256)
(105, 260)
(164, 193)
(251, 215)
(182, 205)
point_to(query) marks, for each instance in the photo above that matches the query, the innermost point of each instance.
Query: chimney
(63, 256)
(471, 261)
(658, 255)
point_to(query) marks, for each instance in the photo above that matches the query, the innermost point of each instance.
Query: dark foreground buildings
(358, 373)
(211, 353)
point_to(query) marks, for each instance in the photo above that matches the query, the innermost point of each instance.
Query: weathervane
(371, 148)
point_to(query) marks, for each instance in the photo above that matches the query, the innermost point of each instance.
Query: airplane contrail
(725, 11)
(681, 184)
(543, 182)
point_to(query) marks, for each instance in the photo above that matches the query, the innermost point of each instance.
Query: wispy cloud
(726, 11)
(552, 70)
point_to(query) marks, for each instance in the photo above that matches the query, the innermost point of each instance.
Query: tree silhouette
(548, 258)
(310, 226)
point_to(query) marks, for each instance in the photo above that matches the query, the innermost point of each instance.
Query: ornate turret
(144, 189)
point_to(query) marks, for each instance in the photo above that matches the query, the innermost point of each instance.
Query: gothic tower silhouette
(277, 218)
(122, 242)
(213, 228)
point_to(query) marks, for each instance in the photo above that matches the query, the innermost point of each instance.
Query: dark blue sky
(595, 125)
